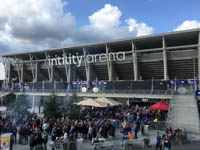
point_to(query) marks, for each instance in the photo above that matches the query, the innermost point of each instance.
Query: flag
(54, 85)
(108, 110)
(196, 83)
(12, 85)
(67, 93)
(128, 102)
(43, 85)
(152, 84)
(175, 84)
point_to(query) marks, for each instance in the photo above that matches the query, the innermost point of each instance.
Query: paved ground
(86, 145)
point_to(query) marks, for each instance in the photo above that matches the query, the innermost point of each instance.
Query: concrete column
(33, 103)
(199, 56)
(9, 72)
(135, 62)
(165, 59)
(36, 73)
(67, 68)
(52, 74)
(22, 72)
(32, 70)
(87, 68)
(48, 67)
(110, 65)
(18, 71)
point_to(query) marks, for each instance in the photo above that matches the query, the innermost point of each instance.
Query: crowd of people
(95, 124)
(169, 138)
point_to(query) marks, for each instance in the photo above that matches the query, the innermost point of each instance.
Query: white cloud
(188, 24)
(141, 28)
(41, 24)
(106, 18)
(105, 24)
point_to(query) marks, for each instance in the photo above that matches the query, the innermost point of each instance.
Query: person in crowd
(32, 141)
(45, 139)
(158, 141)
(53, 141)
(14, 131)
(136, 130)
(94, 134)
(130, 136)
(167, 143)
(124, 137)
(65, 140)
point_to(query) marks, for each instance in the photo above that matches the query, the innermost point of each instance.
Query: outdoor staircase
(183, 113)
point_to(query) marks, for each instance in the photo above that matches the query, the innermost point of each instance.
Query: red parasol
(159, 106)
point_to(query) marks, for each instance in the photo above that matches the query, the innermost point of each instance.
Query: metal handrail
(111, 91)
(170, 107)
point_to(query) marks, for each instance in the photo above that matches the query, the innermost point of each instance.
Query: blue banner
(197, 93)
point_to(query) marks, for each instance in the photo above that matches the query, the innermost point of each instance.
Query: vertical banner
(43, 85)
(54, 84)
(196, 83)
(12, 85)
(175, 84)
(152, 84)
(108, 110)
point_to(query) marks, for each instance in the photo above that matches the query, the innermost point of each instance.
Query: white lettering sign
(77, 60)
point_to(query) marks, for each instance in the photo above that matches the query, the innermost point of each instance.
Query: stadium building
(140, 68)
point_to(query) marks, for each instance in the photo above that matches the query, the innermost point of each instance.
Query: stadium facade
(162, 56)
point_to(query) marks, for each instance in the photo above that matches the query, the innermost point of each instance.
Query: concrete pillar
(165, 59)
(87, 68)
(33, 103)
(22, 73)
(8, 73)
(135, 62)
(52, 74)
(199, 56)
(68, 68)
(68, 73)
(110, 65)
(36, 73)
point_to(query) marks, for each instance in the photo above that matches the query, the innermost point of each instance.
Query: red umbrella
(159, 106)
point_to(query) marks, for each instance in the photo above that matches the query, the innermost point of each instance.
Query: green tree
(52, 107)
(71, 110)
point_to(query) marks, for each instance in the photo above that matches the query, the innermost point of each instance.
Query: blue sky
(41, 24)
(162, 15)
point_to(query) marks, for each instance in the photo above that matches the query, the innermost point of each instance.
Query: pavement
(86, 144)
